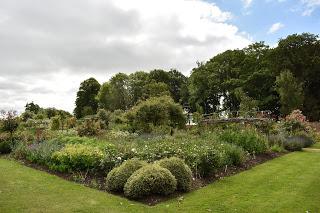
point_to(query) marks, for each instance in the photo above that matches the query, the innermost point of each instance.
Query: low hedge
(249, 139)
(151, 179)
(77, 157)
(179, 170)
(118, 176)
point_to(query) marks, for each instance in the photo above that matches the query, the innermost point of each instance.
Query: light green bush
(77, 157)
(151, 179)
(118, 176)
(179, 170)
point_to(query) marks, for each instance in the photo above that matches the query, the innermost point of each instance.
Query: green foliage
(9, 122)
(297, 142)
(104, 117)
(148, 180)
(55, 123)
(89, 127)
(234, 155)
(290, 91)
(32, 107)
(39, 153)
(117, 177)
(179, 170)
(86, 103)
(5, 143)
(156, 111)
(249, 139)
(77, 157)
(155, 89)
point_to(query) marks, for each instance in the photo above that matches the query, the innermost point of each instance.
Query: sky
(47, 48)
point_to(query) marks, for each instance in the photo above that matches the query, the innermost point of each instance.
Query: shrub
(55, 123)
(235, 155)
(208, 161)
(117, 178)
(104, 117)
(156, 111)
(179, 170)
(151, 179)
(277, 148)
(77, 157)
(5, 143)
(296, 143)
(88, 128)
(249, 139)
(41, 153)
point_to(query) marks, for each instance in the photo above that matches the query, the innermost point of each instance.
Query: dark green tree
(290, 91)
(32, 107)
(86, 98)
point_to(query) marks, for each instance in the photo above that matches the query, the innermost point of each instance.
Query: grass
(286, 184)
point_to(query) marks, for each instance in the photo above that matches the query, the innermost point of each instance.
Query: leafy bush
(151, 179)
(55, 123)
(88, 128)
(179, 170)
(77, 157)
(235, 155)
(41, 153)
(104, 117)
(5, 143)
(117, 178)
(156, 111)
(249, 139)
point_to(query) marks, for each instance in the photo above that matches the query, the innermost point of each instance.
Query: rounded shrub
(117, 177)
(179, 170)
(151, 179)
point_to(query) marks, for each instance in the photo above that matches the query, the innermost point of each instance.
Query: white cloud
(247, 3)
(275, 27)
(49, 47)
(310, 6)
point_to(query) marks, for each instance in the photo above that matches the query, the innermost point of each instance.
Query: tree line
(259, 77)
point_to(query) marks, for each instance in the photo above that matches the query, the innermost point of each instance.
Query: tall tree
(32, 107)
(120, 96)
(290, 91)
(137, 83)
(86, 102)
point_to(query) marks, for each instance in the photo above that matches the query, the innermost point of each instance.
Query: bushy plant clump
(88, 128)
(249, 139)
(156, 111)
(5, 143)
(151, 179)
(179, 170)
(118, 176)
(77, 157)
(235, 155)
(296, 143)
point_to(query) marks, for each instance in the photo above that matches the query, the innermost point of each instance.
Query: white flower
(118, 158)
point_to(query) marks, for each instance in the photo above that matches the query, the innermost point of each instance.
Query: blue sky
(256, 17)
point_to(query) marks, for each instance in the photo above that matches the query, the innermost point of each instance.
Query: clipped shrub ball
(179, 170)
(117, 177)
(151, 179)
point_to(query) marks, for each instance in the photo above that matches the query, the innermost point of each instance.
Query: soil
(97, 181)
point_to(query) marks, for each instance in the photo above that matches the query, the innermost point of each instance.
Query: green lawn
(287, 184)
